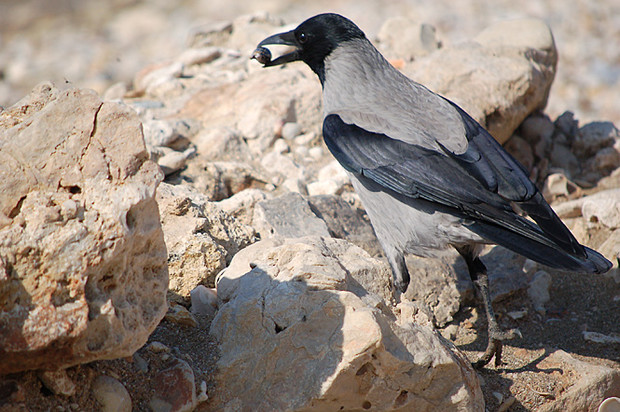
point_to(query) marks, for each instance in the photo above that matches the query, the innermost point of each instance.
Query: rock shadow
(280, 339)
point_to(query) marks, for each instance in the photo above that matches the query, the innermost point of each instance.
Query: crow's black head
(314, 40)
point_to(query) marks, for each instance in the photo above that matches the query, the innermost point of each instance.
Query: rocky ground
(256, 322)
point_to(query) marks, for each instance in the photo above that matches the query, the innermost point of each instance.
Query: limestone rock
(174, 387)
(204, 301)
(603, 207)
(221, 180)
(402, 38)
(258, 107)
(172, 161)
(443, 284)
(439, 285)
(83, 272)
(201, 238)
(502, 77)
(290, 130)
(282, 167)
(557, 185)
(288, 215)
(539, 290)
(111, 394)
(58, 382)
(221, 144)
(241, 205)
(343, 222)
(331, 180)
(294, 313)
(610, 248)
(594, 385)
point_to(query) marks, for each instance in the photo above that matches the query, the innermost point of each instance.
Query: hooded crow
(429, 176)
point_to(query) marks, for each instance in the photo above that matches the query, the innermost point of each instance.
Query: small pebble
(202, 395)
(610, 405)
(280, 146)
(517, 314)
(157, 347)
(180, 315)
(111, 394)
(58, 382)
(204, 300)
(305, 139)
(69, 209)
(291, 130)
(597, 337)
(261, 55)
(539, 290)
(507, 404)
(141, 363)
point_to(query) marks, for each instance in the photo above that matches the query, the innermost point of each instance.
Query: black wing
(480, 184)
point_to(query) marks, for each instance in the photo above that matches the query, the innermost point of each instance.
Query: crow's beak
(287, 39)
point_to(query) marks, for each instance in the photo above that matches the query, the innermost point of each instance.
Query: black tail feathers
(590, 261)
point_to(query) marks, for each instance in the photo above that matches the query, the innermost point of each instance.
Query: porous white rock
(503, 75)
(294, 312)
(83, 272)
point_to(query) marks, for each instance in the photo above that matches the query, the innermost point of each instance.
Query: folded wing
(482, 184)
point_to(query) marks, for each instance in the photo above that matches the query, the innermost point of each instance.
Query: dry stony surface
(275, 294)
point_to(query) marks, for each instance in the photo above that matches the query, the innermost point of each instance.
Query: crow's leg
(478, 274)
(400, 274)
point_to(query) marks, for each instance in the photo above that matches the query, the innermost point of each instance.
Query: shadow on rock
(298, 330)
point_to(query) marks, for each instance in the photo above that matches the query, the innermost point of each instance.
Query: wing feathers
(479, 184)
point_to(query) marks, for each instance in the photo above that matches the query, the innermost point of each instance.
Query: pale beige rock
(603, 207)
(200, 237)
(221, 144)
(403, 38)
(220, 180)
(83, 273)
(258, 107)
(569, 209)
(557, 185)
(111, 394)
(331, 179)
(594, 384)
(436, 283)
(180, 315)
(499, 79)
(58, 382)
(241, 205)
(282, 167)
(300, 316)
(288, 215)
(204, 301)
(610, 248)
(175, 389)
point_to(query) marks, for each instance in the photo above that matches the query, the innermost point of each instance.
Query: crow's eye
(302, 38)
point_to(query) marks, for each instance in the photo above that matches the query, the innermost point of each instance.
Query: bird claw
(494, 348)
(507, 334)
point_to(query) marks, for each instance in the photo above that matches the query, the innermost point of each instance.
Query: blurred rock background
(96, 44)
(270, 259)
